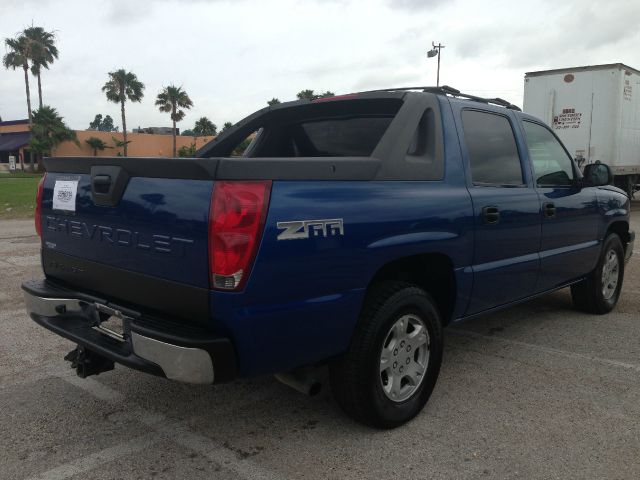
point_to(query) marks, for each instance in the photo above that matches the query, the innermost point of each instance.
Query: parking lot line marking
(553, 351)
(94, 387)
(94, 460)
(177, 432)
(16, 237)
(23, 260)
(183, 436)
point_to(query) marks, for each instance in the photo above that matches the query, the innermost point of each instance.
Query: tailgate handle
(108, 183)
(101, 183)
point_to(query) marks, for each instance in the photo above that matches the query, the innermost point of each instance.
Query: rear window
(355, 137)
(346, 128)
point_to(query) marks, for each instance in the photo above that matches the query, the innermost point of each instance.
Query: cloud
(416, 4)
(7, 6)
(124, 12)
(575, 33)
(385, 78)
(231, 56)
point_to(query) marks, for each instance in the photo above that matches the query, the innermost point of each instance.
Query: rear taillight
(38, 214)
(236, 220)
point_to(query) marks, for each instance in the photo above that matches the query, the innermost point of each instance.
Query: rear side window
(493, 153)
(551, 164)
(344, 137)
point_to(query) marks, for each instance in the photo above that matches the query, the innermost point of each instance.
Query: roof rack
(447, 90)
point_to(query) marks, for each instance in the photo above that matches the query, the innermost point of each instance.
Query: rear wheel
(392, 365)
(600, 291)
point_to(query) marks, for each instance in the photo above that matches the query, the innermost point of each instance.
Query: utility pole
(435, 50)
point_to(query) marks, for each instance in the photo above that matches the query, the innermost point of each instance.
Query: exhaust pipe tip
(315, 388)
(304, 380)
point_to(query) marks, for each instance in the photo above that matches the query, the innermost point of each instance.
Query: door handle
(491, 215)
(549, 209)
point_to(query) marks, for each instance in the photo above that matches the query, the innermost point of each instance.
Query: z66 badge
(298, 229)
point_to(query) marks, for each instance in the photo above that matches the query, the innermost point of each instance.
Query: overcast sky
(233, 56)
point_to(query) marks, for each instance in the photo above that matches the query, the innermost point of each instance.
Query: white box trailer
(595, 111)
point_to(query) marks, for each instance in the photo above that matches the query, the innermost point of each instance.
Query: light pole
(432, 53)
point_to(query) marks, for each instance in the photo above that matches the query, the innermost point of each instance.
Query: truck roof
(605, 66)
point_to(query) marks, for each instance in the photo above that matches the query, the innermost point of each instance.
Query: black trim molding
(132, 289)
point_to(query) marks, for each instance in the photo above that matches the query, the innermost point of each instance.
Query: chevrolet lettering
(157, 243)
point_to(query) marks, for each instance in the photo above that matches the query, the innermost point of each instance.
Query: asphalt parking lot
(536, 391)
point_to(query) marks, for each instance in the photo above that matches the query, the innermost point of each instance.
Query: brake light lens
(347, 96)
(236, 220)
(38, 213)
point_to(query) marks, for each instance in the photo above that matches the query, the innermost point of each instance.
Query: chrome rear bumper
(169, 349)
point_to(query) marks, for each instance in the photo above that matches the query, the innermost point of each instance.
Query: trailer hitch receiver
(87, 362)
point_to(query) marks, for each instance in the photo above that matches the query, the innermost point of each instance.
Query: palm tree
(123, 85)
(172, 99)
(96, 144)
(48, 131)
(20, 52)
(44, 52)
(120, 144)
(204, 127)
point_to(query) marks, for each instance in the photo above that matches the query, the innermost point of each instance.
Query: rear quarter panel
(303, 298)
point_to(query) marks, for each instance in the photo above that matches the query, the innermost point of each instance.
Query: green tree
(273, 101)
(120, 87)
(96, 144)
(204, 127)
(48, 131)
(173, 99)
(107, 125)
(306, 95)
(311, 95)
(120, 144)
(241, 147)
(187, 152)
(226, 126)
(44, 52)
(97, 122)
(187, 133)
(103, 124)
(20, 51)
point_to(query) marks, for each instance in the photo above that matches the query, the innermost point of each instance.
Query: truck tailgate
(145, 245)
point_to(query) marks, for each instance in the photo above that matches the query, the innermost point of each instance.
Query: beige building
(142, 144)
(14, 141)
(15, 136)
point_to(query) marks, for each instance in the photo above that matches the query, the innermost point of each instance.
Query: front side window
(493, 154)
(551, 164)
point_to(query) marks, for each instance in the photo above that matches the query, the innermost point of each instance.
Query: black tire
(355, 377)
(588, 295)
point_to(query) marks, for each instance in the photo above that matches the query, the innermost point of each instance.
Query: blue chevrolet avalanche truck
(350, 231)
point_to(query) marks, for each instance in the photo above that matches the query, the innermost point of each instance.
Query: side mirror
(597, 174)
